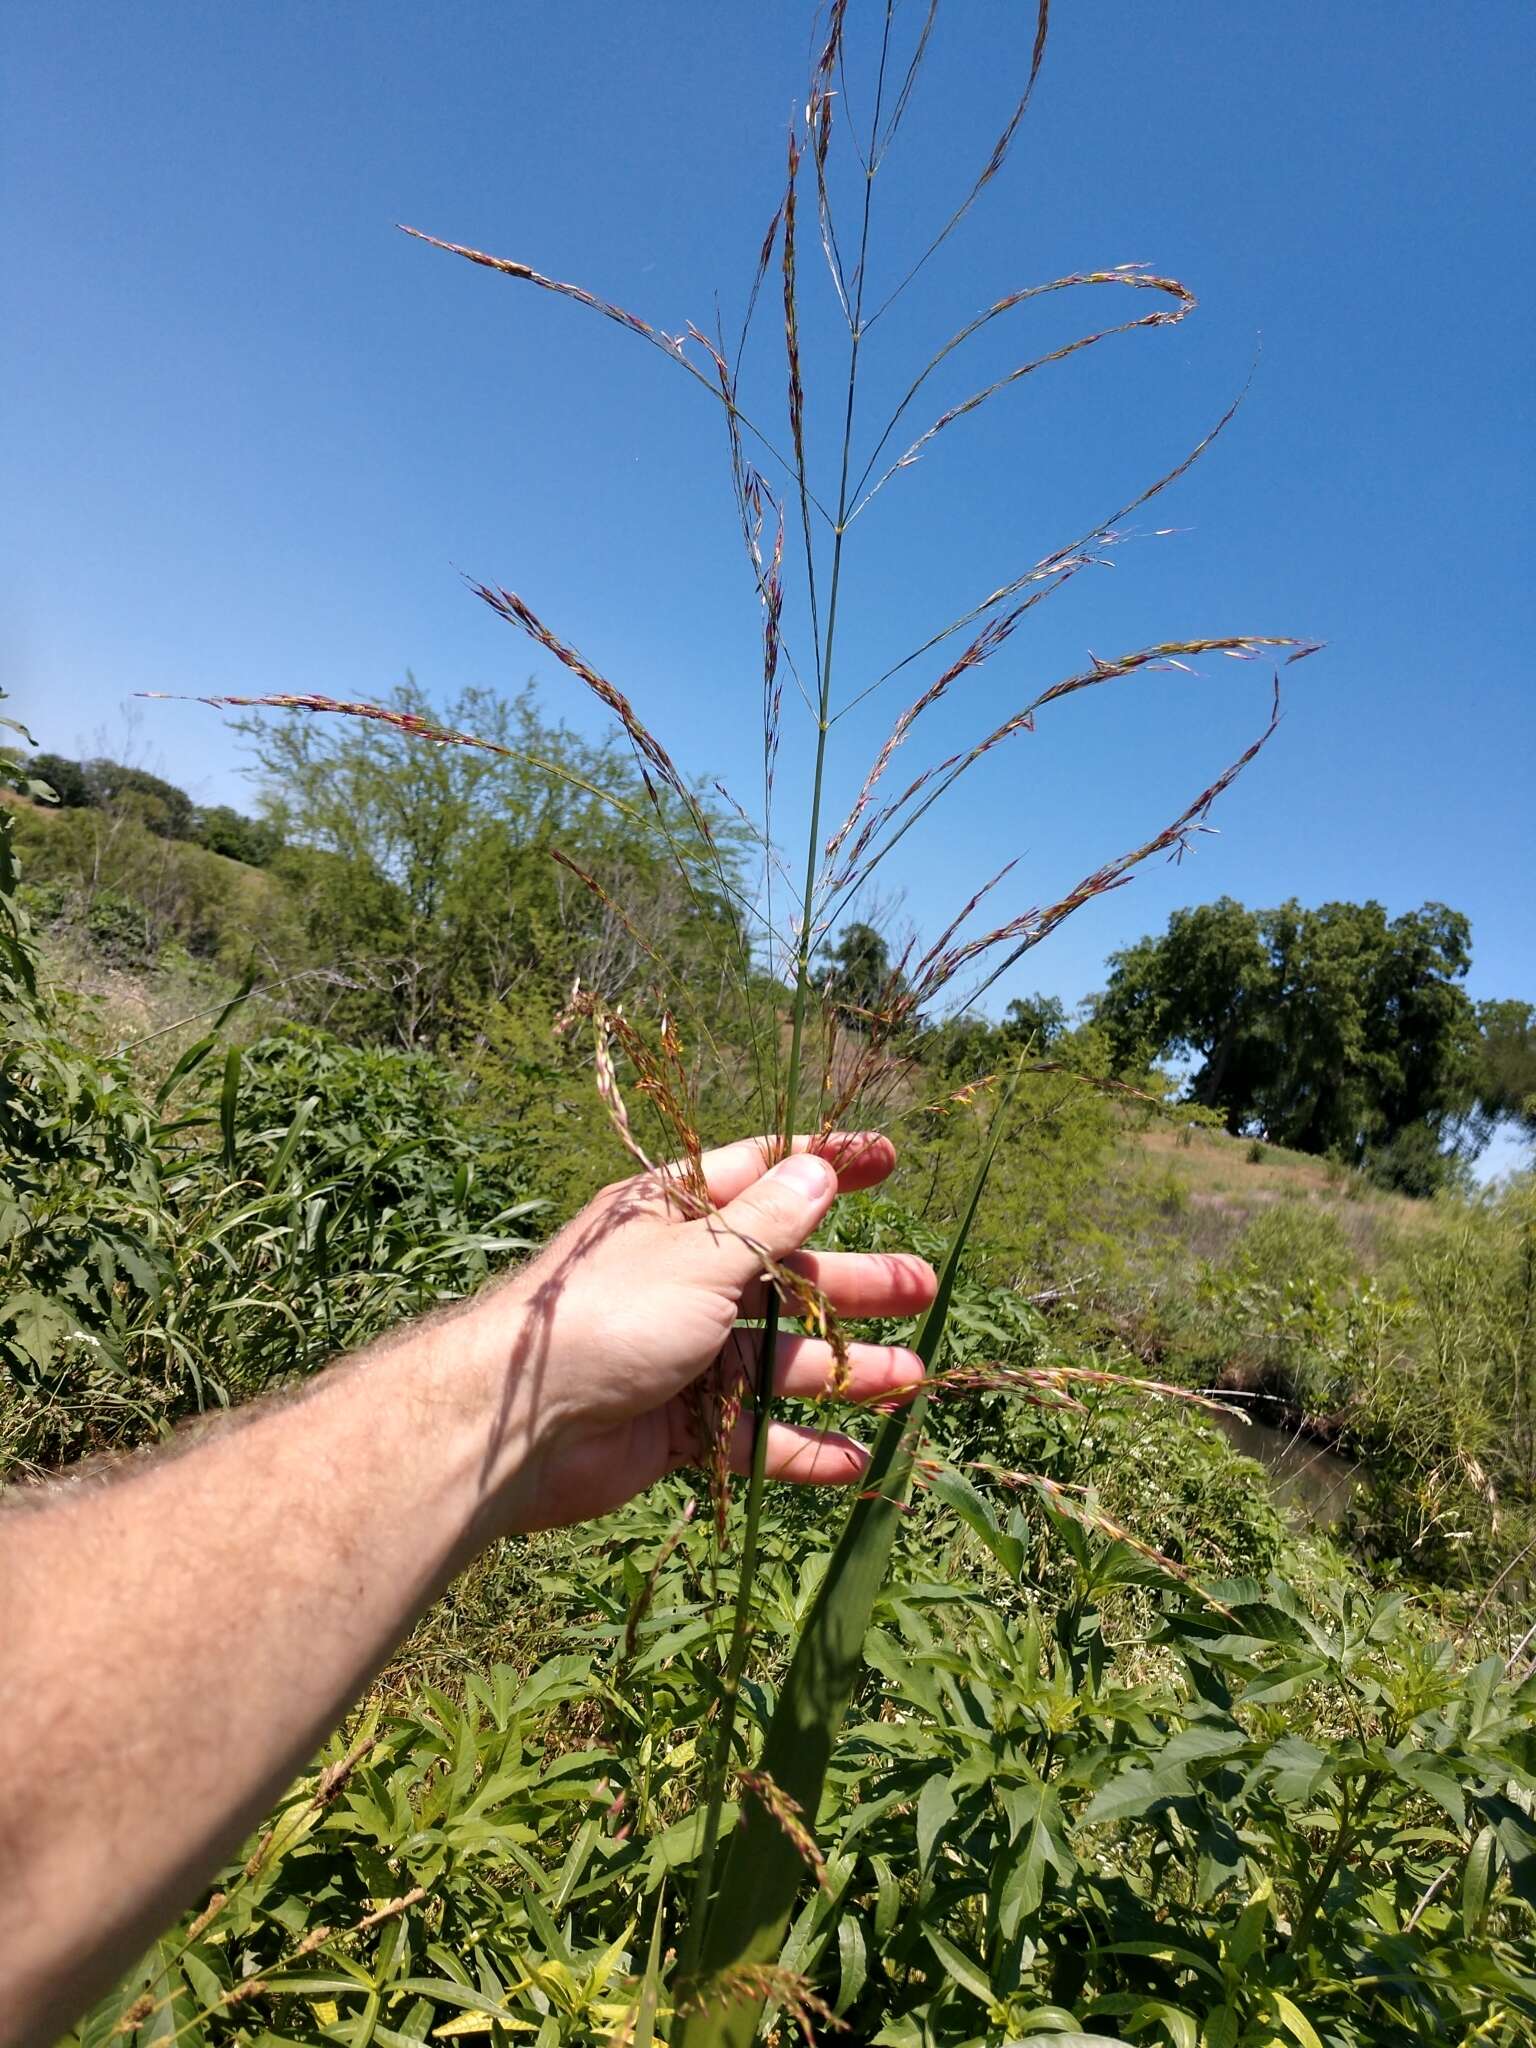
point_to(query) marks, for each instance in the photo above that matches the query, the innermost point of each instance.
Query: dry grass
(1226, 1188)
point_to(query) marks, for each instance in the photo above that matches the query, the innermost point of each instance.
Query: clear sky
(252, 434)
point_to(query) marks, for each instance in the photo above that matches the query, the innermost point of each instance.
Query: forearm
(179, 1639)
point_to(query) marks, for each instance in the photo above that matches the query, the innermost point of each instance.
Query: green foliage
(1071, 1794)
(1040, 1212)
(746, 1921)
(970, 1045)
(306, 1197)
(69, 782)
(131, 892)
(1290, 1818)
(119, 930)
(159, 1256)
(859, 981)
(1508, 1085)
(1423, 1364)
(1331, 1031)
(77, 1183)
(220, 828)
(160, 806)
(424, 874)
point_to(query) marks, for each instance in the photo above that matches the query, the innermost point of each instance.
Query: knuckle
(780, 1211)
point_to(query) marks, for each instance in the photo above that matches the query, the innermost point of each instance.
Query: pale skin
(179, 1637)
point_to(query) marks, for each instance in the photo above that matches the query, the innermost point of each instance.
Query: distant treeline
(412, 888)
(100, 784)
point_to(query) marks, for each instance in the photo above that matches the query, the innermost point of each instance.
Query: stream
(1311, 1484)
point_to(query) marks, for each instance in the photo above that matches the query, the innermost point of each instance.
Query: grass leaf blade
(763, 1869)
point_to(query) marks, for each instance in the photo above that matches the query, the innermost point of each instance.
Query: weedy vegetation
(1064, 1734)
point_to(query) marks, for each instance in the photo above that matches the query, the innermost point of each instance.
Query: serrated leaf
(38, 1323)
(1296, 1768)
(1135, 1793)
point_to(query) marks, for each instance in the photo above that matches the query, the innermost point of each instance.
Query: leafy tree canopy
(1334, 1030)
(69, 780)
(163, 807)
(166, 809)
(1507, 1086)
(968, 1045)
(256, 841)
(426, 871)
(858, 978)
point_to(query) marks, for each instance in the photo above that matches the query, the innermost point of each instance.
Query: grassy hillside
(1220, 1184)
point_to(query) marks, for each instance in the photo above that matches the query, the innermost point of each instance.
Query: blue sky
(253, 434)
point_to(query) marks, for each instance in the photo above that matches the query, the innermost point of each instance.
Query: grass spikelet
(765, 1984)
(935, 782)
(787, 1814)
(649, 751)
(641, 1605)
(1069, 1501)
(964, 1097)
(583, 1004)
(661, 1078)
(409, 725)
(994, 162)
(1131, 275)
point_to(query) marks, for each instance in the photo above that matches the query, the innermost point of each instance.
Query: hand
(597, 1341)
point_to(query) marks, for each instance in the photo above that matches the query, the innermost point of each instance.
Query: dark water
(1313, 1485)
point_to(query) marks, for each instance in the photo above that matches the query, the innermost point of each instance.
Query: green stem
(736, 1656)
(720, 1763)
(1343, 1842)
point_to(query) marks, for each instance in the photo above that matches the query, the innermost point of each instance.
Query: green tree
(426, 876)
(69, 780)
(858, 977)
(161, 805)
(1333, 1030)
(967, 1045)
(1507, 1081)
(1038, 1021)
(221, 829)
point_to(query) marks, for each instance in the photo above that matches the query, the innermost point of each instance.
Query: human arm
(177, 1639)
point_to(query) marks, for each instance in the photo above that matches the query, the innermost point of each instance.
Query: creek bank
(1313, 1482)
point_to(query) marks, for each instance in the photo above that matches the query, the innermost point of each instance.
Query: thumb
(775, 1215)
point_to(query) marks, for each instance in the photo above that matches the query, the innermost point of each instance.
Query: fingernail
(806, 1174)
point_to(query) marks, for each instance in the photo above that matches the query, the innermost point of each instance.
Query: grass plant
(803, 507)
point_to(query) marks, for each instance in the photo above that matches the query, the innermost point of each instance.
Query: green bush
(169, 890)
(159, 1256)
(119, 930)
(1281, 1821)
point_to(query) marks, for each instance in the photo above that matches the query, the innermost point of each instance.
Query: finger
(862, 1159)
(776, 1214)
(856, 1283)
(806, 1367)
(803, 1457)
